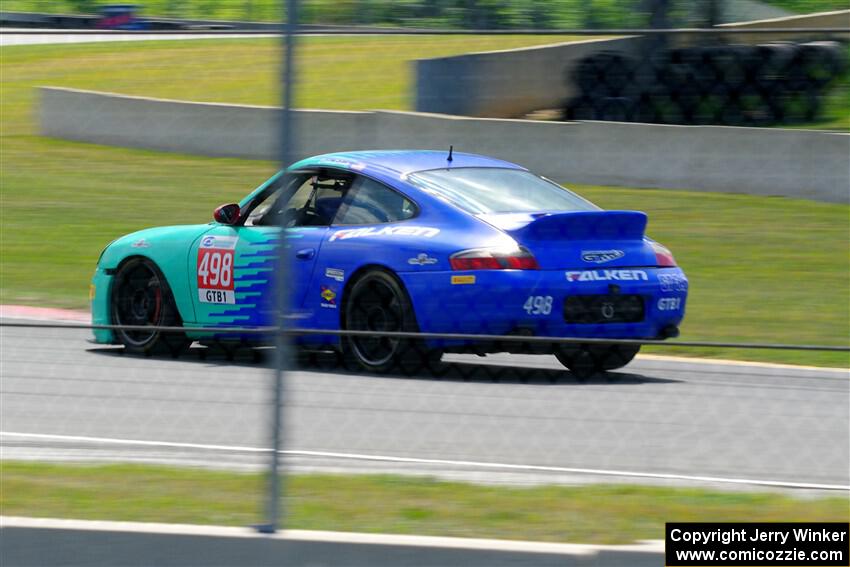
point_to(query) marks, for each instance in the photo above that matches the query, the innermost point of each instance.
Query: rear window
(482, 190)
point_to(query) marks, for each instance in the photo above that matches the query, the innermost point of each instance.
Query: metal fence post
(274, 510)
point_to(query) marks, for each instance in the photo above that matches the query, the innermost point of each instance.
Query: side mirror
(227, 214)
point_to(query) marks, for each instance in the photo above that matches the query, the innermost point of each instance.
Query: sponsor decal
(92, 292)
(215, 270)
(421, 260)
(142, 243)
(601, 256)
(669, 303)
(328, 298)
(223, 242)
(463, 280)
(335, 274)
(607, 275)
(673, 282)
(346, 233)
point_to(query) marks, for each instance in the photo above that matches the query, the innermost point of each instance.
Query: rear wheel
(141, 297)
(377, 302)
(587, 360)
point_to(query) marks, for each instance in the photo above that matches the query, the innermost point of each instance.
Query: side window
(307, 201)
(369, 202)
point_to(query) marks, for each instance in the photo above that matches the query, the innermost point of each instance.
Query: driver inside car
(314, 203)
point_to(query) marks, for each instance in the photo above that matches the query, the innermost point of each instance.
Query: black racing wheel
(378, 302)
(141, 297)
(587, 360)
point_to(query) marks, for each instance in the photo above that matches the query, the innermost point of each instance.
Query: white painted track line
(447, 462)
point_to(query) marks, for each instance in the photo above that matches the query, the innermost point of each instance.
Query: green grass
(61, 202)
(390, 504)
(354, 73)
(761, 269)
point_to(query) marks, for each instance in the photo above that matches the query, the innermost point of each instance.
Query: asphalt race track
(64, 398)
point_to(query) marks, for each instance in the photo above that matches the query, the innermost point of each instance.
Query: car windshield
(483, 190)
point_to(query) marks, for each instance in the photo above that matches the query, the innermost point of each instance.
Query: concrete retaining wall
(792, 163)
(196, 128)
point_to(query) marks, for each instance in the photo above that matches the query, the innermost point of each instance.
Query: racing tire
(378, 302)
(141, 297)
(585, 361)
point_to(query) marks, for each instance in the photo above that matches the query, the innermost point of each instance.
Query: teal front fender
(168, 248)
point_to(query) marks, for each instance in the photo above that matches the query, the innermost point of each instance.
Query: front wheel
(377, 302)
(587, 360)
(141, 297)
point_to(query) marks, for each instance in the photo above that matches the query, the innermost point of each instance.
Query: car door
(232, 268)
(361, 233)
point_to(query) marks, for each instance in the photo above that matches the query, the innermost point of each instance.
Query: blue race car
(400, 241)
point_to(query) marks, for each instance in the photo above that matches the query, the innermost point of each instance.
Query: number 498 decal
(538, 305)
(215, 276)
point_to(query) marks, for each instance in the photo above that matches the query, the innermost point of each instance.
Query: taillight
(663, 256)
(494, 259)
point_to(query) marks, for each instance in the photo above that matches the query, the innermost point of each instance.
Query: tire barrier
(732, 85)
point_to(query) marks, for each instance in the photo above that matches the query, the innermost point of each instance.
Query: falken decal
(607, 275)
(601, 256)
(421, 260)
(346, 233)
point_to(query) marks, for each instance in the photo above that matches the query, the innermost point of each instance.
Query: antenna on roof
(451, 149)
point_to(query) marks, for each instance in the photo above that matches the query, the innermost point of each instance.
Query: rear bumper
(500, 302)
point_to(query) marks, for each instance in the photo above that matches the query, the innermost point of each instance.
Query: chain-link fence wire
(429, 403)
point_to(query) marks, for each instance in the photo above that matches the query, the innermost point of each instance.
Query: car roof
(401, 162)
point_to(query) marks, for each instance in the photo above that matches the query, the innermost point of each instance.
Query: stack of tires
(736, 85)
